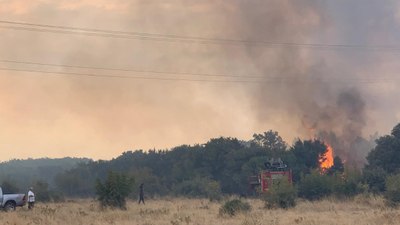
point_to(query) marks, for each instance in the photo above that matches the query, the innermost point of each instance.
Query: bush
(115, 190)
(233, 207)
(375, 178)
(347, 184)
(281, 194)
(392, 193)
(9, 187)
(41, 190)
(57, 196)
(315, 186)
(199, 187)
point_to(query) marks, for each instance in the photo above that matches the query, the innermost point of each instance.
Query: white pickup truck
(9, 202)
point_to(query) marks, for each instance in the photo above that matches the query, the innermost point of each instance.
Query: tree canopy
(386, 154)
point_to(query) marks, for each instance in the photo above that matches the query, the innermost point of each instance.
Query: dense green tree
(42, 193)
(281, 194)
(315, 186)
(386, 154)
(375, 178)
(305, 157)
(270, 141)
(347, 184)
(79, 182)
(114, 191)
(25, 172)
(9, 187)
(392, 193)
(199, 187)
(396, 131)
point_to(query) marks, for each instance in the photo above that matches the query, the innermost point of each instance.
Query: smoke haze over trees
(326, 69)
(220, 166)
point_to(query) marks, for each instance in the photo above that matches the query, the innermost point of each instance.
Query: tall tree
(306, 156)
(270, 140)
(386, 154)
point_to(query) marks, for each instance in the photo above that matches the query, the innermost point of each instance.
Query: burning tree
(326, 159)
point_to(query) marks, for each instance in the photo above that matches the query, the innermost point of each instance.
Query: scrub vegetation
(179, 211)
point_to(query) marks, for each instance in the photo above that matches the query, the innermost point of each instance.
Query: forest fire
(326, 161)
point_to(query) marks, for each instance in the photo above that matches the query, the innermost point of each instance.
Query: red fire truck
(275, 170)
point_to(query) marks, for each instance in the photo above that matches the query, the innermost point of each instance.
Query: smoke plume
(330, 92)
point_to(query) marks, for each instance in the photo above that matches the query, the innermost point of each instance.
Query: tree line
(222, 166)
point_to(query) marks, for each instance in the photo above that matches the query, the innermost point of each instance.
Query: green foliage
(114, 191)
(233, 207)
(392, 193)
(386, 154)
(305, 157)
(57, 196)
(396, 131)
(78, 182)
(199, 187)
(270, 141)
(41, 190)
(25, 172)
(342, 185)
(347, 184)
(315, 186)
(281, 194)
(9, 187)
(375, 179)
(153, 183)
(223, 166)
(44, 194)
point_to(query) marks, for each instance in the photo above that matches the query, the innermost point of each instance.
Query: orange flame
(326, 161)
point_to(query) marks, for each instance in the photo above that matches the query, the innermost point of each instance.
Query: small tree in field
(315, 186)
(392, 193)
(114, 191)
(281, 194)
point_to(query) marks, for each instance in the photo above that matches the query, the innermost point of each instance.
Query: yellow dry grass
(361, 210)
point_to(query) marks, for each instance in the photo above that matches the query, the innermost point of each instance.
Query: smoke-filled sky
(337, 73)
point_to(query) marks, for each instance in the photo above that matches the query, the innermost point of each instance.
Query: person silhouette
(141, 193)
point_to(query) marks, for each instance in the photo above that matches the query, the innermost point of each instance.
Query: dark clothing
(30, 205)
(141, 194)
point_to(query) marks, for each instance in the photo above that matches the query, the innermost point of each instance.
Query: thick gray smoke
(314, 92)
(308, 91)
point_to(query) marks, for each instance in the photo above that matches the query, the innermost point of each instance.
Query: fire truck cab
(275, 170)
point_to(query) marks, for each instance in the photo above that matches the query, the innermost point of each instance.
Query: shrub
(199, 187)
(281, 194)
(57, 196)
(115, 190)
(315, 186)
(375, 179)
(233, 207)
(41, 190)
(9, 187)
(347, 184)
(392, 193)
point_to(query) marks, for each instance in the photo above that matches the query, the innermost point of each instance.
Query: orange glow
(326, 161)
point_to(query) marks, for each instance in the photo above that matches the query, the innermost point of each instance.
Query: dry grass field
(365, 211)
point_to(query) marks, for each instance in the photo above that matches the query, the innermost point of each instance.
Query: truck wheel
(9, 206)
